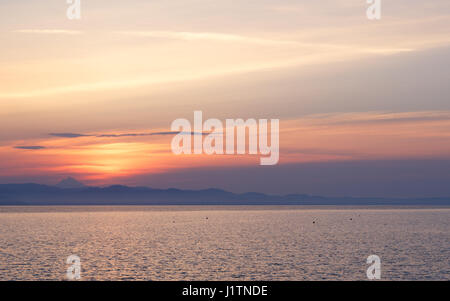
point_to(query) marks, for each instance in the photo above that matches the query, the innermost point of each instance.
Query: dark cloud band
(75, 135)
(30, 147)
(68, 135)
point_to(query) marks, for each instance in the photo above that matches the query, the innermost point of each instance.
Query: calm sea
(224, 243)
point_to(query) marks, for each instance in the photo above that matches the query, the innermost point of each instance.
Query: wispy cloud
(68, 135)
(121, 135)
(30, 147)
(148, 134)
(207, 36)
(234, 38)
(378, 117)
(345, 52)
(49, 31)
(295, 52)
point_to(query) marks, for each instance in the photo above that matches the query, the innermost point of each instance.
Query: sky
(364, 106)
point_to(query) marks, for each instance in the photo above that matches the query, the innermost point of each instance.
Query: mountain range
(72, 192)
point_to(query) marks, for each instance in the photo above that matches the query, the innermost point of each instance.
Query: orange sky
(315, 138)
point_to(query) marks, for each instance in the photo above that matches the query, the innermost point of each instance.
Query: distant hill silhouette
(70, 183)
(72, 192)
